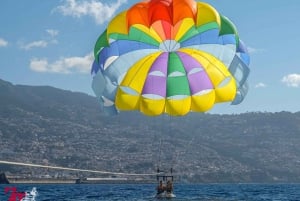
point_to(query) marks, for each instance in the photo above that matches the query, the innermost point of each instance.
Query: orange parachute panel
(138, 14)
(159, 11)
(183, 9)
(158, 28)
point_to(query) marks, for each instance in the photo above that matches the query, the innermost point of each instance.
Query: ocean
(146, 192)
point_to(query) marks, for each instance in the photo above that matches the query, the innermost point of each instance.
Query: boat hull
(165, 195)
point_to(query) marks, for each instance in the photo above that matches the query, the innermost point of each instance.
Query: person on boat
(160, 188)
(169, 187)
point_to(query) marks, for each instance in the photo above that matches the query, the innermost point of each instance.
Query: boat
(30, 195)
(165, 185)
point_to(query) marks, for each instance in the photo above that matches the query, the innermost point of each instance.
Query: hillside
(46, 125)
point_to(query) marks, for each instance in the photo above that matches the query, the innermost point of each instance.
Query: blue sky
(51, 43)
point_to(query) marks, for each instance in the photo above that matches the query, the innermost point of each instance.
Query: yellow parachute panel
(206, 14)
(152, 107)
(185, 25)
(125, 101)
(118, 24)
(178, 107)
(227, 92)
(204, 102)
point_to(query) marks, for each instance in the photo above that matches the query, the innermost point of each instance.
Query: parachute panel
(178, 107)
(152, 107)
(118, 24)
(203, 102)
(207, 14)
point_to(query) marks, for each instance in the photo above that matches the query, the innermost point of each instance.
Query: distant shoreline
(76, 181)
(41, 181)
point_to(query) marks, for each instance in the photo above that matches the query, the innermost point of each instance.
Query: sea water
(146, 192)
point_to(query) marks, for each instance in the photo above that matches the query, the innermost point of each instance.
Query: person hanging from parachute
(169, 57)
(160, 188)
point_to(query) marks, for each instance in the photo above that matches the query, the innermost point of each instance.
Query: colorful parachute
(169, 56)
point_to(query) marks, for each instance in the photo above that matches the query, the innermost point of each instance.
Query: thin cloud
(252, 50)
(63, 65)
(260, 85)
(291, 80)
(35, 44)
(52, 32)
(3, 43)
(42, 43)
(99, 11)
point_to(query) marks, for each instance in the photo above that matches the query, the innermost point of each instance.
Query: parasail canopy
(169, 56)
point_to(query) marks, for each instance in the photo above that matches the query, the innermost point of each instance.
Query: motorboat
(165, 185)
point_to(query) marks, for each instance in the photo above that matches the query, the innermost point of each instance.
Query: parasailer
(169, 57)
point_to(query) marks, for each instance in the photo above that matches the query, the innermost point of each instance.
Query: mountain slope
(46, 125)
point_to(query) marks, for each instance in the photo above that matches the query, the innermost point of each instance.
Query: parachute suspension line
(162, 144)
(168, 134)
(183, 152)
(171, 134)
(119, 121)
(165, 153)
(159, 157)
